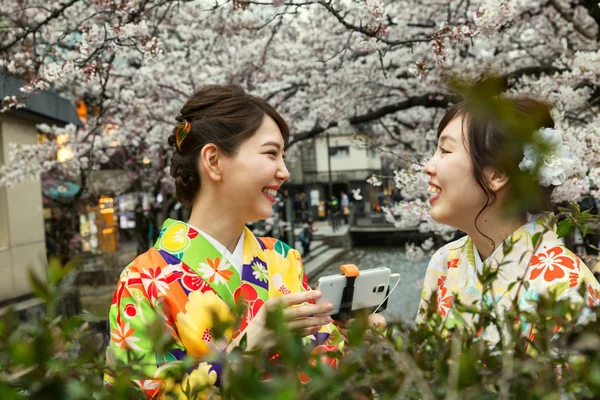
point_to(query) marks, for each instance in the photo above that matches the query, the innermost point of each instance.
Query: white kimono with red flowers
(453, 270)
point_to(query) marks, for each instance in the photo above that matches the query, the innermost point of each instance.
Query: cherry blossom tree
(327, 65)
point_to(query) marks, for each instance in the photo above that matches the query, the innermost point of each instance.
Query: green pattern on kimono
(186, 283)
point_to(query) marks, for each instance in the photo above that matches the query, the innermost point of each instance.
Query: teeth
(433, 189)
(270, 192)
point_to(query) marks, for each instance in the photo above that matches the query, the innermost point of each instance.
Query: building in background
(341, 162)
(22, 233)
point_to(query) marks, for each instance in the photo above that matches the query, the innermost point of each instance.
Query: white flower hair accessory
(554, 165)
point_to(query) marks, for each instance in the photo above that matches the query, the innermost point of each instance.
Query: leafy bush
(57, 357)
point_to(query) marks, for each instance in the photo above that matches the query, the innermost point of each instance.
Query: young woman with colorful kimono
(227, 165)
(471, 190)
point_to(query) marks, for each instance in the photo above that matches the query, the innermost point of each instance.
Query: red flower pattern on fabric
(247, 294)
(573, 279)
(192, 233)
(154, 281)
(453, 263)
(191, 280)
(130, 310)
(592, 296)
(320, 354)
(551, 263)
(444, 300)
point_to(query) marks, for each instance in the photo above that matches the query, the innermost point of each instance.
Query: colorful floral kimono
(185, 281)
(453, 270)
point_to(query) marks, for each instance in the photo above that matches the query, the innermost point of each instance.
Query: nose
(429, 168)
(282, 172)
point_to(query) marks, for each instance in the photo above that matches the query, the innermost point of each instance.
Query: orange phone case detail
(350, 270)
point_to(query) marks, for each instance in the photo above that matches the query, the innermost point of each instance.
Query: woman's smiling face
(456, 197)
(252, 177)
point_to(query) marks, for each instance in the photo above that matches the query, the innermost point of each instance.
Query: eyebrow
(272, 144)
(444, 138)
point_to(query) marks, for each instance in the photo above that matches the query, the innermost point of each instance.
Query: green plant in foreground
(55, 357)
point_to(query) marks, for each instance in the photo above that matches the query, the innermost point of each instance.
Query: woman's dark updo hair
(224, 115)
(495, 139)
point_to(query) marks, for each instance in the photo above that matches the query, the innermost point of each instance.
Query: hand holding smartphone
(370, 290)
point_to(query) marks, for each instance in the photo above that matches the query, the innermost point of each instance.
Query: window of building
(339, 151)
(309, 157)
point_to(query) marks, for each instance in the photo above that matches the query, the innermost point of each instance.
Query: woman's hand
(376, 321)
(302, 318)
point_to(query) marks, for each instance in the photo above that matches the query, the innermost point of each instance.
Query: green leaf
(57, 272)
(565, 227)
(583, 228)
(575, 207)
(536, 239)
(8, 393)
(244, 342)
(40, 288)
(470, 253)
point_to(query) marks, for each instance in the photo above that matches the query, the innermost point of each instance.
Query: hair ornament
(181, 132)
(548, 157)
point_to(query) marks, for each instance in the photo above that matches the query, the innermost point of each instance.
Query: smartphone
(370, 289)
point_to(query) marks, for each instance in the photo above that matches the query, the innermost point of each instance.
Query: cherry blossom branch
(594, 11)
(568, 16)
(428, 100)
(374, 33)
(55, 14)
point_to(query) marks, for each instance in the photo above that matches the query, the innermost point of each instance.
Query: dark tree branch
(369, 32)
(294, 88)
(55, 14)
(428, 100)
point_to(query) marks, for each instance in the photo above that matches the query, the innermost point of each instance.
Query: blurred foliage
(54, 357)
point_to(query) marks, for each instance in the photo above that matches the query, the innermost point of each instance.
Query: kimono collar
(523, 235)
(234, 257)
(179, 242)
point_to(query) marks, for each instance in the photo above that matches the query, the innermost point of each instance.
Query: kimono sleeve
(131, 313)
(134, 311)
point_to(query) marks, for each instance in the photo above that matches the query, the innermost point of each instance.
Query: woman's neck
(212, 217)
(496, 225)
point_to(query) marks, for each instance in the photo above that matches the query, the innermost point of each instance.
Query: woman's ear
(209, 162)
(496, 179)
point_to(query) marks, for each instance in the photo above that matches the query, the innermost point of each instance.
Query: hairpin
(181, 132)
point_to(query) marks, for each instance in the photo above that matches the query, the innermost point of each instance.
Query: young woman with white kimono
(471, 191)
(228, 164)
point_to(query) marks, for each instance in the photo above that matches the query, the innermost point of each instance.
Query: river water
(404, 300)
